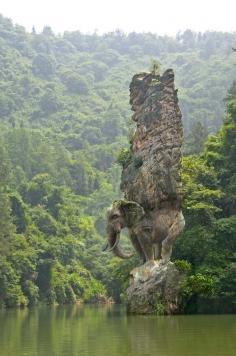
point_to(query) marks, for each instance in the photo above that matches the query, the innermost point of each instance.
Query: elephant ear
(131, 211)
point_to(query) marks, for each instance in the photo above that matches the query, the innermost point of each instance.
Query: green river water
(108, 331)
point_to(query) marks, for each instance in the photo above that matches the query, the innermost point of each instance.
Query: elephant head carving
(121, 214)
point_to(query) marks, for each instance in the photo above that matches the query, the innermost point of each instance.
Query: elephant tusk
(114, 246)
(113, 242)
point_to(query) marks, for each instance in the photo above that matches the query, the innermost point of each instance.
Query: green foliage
(201, 190)
(43, 65)
(194, 143)
(120, 276)
(6, 224)
(182, 265)
(159, 308)
(44, 231)
(123, 157)
(209, 242)
(200, 285)
(74, 83)
(10, 289)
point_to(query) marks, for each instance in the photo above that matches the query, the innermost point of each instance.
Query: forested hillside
(64, 115)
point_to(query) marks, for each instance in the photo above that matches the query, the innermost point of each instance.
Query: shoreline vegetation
(64, 123)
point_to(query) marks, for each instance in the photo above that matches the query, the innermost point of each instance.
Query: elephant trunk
(113, 242)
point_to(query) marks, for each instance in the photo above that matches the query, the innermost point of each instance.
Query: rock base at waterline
(155, 288)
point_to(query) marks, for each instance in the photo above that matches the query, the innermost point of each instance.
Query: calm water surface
(108, 331)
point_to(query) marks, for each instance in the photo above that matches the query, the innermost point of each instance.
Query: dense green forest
(64, 116)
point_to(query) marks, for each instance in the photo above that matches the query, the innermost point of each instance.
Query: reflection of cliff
(152, 174)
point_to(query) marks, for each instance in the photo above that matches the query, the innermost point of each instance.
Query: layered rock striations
(151, 175)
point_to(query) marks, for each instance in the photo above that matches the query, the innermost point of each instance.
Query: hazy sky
(159, 16)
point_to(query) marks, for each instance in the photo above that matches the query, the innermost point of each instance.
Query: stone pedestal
(155, 289)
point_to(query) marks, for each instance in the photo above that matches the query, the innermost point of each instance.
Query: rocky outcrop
(151, 183)
(155, 289)
(151, 173)
(151, 178)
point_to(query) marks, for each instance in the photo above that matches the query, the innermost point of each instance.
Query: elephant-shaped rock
(151, 233)
(151, 183)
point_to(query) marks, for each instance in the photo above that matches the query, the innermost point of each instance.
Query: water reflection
(89, 330)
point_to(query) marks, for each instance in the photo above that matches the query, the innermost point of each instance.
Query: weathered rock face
(155, 289)
(151, 175)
